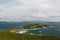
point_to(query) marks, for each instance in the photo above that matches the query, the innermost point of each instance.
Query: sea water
(53, 30)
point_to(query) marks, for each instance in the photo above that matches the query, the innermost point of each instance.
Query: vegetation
(32, 26)
(12, 30)
(15, 36)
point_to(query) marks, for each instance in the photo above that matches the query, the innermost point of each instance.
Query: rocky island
(32, 26)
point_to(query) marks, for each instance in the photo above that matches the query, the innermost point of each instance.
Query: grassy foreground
(14, 36)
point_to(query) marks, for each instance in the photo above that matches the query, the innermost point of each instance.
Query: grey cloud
(24, 10)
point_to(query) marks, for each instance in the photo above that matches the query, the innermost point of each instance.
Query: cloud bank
(29, 10)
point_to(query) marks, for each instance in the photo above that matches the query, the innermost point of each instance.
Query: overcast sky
(29, 10)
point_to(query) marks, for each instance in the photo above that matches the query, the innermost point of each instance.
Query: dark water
(53, 30)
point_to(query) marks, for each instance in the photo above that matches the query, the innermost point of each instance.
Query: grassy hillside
(13, 36)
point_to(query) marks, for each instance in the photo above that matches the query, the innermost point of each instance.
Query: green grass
(14, 36)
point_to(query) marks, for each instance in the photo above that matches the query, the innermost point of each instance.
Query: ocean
(52, 30)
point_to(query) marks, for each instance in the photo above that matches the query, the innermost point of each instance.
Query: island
(32, 26)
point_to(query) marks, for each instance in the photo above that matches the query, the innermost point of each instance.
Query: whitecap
(51, 26)
(40, 31)
(33, 29)
(40, 34)
(32, 34)
(44, 27)
(22, 31)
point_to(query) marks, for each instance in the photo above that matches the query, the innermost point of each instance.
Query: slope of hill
(15, 36)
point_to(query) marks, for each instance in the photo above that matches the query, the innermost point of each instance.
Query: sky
(29, 10)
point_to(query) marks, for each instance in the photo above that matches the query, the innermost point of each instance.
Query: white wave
(51, 26)
(33, 29)
(40, 31)
(31, 33)
(40, 34)
(22, 31)
(44, 27)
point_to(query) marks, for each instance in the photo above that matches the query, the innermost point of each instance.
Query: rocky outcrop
(32, 26)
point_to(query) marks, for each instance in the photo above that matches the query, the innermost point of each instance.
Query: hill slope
(15, 36)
